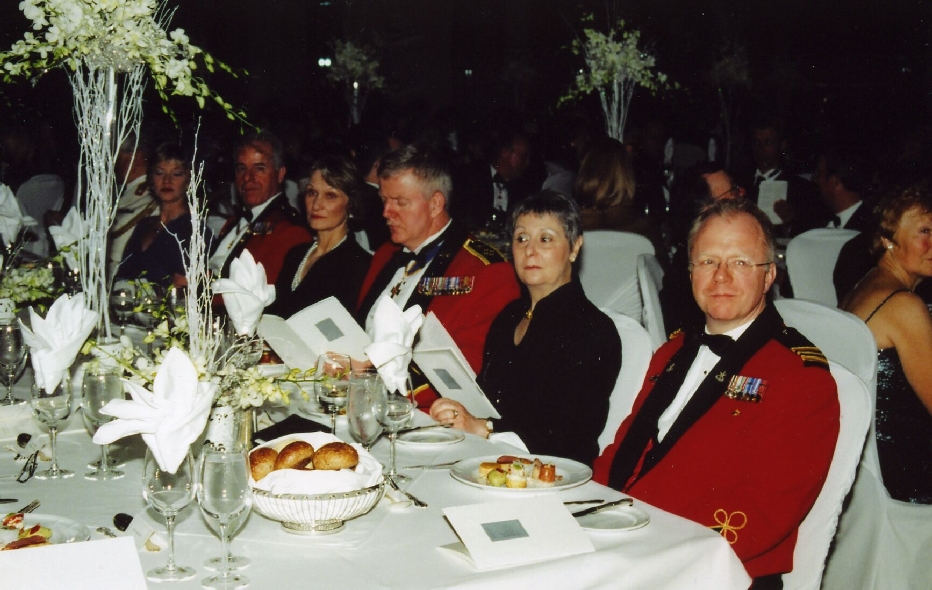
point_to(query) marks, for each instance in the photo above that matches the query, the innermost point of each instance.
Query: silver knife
(8, 500)
(435, 466)
(416, 428)
(607, 505)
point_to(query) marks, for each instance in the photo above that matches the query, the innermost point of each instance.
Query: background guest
(902, 327)
(333, 264)
(136, 202)
(549, 349)
(155, 250)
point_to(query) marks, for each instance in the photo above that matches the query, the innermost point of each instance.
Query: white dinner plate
(64, 530)
(431, 436)
(619, 518)
(313, 409)
(573, 473)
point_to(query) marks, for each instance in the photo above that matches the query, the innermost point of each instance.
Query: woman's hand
(448, 411)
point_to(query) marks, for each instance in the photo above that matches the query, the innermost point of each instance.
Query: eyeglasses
(29, 469)
(736, 266)
(734, 192)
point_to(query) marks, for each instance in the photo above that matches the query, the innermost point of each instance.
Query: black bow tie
(498, 179)
(836, 221)
(246, 213)
(717, 343)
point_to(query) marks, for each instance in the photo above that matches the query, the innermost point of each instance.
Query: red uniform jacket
(271, 235)
(467, 316)
(749, 470)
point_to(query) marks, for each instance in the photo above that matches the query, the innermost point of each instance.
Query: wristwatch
(490, 426)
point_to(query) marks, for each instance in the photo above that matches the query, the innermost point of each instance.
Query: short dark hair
(341, 173)
(849, 164)
(278, 150)
(730, 208)
(894, 205)
(428, 164)
(555, 203)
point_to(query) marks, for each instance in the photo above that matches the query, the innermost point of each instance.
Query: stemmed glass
(233, 562)
(333, 372)
(100, 386)
(168, 494)
(394, 411)
(147, 300)
(51, 408)
(224, 495)
(122, 302)
(12, 358)
(365, 387)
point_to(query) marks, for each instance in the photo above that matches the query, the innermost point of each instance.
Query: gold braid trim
(729, 524)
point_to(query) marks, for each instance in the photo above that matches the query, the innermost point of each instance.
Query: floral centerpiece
(107, 47)
(355, 69)
(615, 64)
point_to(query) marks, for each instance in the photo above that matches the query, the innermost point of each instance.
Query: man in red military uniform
(427, 245)
(266, 226)
(736, 424)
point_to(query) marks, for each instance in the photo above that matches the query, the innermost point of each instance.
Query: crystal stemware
(101, 385)
(224, 495)
(122, 303)
(148, 299)
(394, 411)
(168, 494)
(51, 408)
(365, 387)
(234, 562)
(12, 358)
(332, 387)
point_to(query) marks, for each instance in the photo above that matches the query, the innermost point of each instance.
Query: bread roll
(295, 455)
(336, 455)
(262, 462)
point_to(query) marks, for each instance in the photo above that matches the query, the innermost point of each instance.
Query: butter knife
(435, 466)
(8, 500)
(606, 506)
(416, 428)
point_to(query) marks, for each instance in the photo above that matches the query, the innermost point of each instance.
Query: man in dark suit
(736, 423)
(493, 189)
(266, 225)
(802, 209)
(431, 260)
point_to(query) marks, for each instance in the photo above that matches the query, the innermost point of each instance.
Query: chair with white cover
(810, 262)
(38, 195)
(608, 270)
(650, 278)
(636, 352)
(818, 528)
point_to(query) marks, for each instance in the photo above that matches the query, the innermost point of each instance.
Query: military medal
(749, 389)
(433, 286)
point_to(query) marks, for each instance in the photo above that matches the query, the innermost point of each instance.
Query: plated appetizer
(14, 535)
(518, 472)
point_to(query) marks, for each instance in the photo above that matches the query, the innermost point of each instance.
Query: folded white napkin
(392, 334)
(169, 418)
(72, 228)
(246, 293)
(11, 215)
(299, 481)
(55, 341)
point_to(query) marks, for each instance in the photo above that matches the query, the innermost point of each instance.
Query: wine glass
(12, 358)
(394, 411)
(51, 408)
(365, 387)
(101, 385)
(122, 303)
(168, 494)
(224, 495)
(234, 562)
(332, 387)
(148, 297)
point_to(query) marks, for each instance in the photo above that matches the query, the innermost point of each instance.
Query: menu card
(444, 365)
(509, 532)
(770, 192)
(108, 563)
(323, 327)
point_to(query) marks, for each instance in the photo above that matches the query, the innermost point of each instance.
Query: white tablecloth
(388, 548)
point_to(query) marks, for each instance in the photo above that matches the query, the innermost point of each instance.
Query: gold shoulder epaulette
(810, 354)
(484, 252)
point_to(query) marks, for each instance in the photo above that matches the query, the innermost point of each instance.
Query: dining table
(395, 545)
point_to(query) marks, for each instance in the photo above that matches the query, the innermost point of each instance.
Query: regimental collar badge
(433, 286)
(720, 377)
(259, 228)
(748, 389)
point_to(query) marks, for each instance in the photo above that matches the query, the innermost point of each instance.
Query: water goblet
(101, 385)
(394, 411)
(365, 386)
(12, 358)
(51, 408)
(234, 562)
(168, 494)
(332, 387)
(224, 495)
(122, 303)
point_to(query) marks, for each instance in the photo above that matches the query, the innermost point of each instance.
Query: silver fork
(416, 501)
(29, 507)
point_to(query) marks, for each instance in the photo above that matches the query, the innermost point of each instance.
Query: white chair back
(842, 336)
(608, 270)
(810, 262)
(818, 528)
(636, 351)
(650, 278)
(36, 196)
